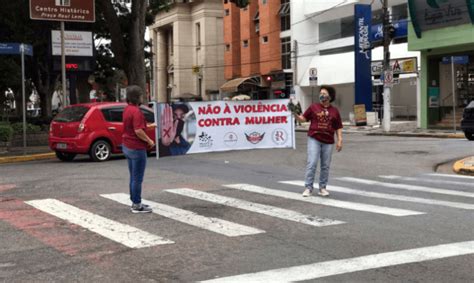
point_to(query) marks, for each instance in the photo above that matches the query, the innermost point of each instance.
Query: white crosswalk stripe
(407, 187)
(325, 201)
(390, 196)
(348, 265)
(451, 176)
(115, 231)
(216, 225)
(258, 208)
(431, 180)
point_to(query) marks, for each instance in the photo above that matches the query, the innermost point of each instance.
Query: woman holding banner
(325, 120)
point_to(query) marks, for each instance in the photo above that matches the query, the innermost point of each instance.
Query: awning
(233, 85)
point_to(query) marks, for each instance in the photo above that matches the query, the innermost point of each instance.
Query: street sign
(388, 78)
(77, 43)
(396, 81)
(63, 10)
(15, 49)
(456, 60)
(313, 77)
(399, 66)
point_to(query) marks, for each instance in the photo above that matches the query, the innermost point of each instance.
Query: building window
(227, 12)
(284, 13)
(264, 2)
(256, 21)
(265, 39)
(198, 34)
(286, 53)
(399, 12)
(246, 43)
(335, 29)
(226, 1)
(227, 47)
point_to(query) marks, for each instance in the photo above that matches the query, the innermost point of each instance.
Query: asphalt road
(406, 226)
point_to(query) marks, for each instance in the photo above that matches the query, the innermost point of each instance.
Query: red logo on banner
(255, 137)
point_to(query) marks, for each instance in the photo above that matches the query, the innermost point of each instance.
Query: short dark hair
(134, 94)
(331, 91)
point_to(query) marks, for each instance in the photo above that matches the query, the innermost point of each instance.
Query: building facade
(257, 49)
(323, 38)
(445, 88)
(188, 51)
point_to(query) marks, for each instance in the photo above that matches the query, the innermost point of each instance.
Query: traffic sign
(388, 78)
(15, 49)
(313, 77)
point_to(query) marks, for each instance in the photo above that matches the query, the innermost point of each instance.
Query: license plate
(61, 146)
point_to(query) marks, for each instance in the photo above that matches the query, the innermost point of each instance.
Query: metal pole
(63, 65)
(22, 49)
(386, 67)
(312, 95)
(454, 94)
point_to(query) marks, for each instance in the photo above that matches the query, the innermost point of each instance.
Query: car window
(113, 114)
(149, 116)
(71, 114)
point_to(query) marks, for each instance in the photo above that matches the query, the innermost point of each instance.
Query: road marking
(390, 196)
(407, 187)
(258, 208)
(124, 234)
(349, 265)
(216, 225)
(451, 176)
(436, 181)
(326, 201)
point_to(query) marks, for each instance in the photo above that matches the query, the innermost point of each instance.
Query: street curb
(464, 166)
(420, 135)
(24, 158)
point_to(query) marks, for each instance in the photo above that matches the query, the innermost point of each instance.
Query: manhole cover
(412, 152)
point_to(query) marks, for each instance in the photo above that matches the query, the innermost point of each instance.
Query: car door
(114, 125)
(150, 119)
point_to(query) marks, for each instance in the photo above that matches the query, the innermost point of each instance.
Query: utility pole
(386, 67)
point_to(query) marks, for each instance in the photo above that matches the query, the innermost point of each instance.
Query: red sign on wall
(63, 10)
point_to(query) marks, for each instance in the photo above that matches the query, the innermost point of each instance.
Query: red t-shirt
(133, 119)
(323, 122)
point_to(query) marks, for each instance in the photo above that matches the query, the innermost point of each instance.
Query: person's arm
(339, 140)
(144, 137)
(300, 118)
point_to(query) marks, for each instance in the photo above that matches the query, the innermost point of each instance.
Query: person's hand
(151, 143)
(339, 145)
(152, 125)
(168, 127)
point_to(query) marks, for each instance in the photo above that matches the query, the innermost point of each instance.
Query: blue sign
(363, 55)
(15, 49)
(456, 60)
(401, 30)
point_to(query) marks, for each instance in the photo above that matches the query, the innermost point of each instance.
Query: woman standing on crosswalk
(135, 144)
(325, 120)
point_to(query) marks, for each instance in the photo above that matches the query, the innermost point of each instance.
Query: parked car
(94, 128)
(467, 122)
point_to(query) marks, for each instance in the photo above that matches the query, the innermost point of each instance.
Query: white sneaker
(307, 192)
(323, 192)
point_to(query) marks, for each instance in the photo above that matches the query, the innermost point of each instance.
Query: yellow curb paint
(12, 159)
(464, 166)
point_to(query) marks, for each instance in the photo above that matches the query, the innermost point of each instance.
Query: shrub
(30, 128)
(6, 133)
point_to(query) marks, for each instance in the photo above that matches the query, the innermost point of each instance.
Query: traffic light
(391, 31)
(268, 78)
(240, 3)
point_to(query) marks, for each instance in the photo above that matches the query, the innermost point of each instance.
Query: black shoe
(140, 208)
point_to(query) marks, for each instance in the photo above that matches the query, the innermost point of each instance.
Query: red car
(93, 128)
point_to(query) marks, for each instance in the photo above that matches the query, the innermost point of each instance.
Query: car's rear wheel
(469, 135)
(100, 151)
(65, 156)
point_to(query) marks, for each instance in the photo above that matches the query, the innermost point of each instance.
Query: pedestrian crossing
(290, 190)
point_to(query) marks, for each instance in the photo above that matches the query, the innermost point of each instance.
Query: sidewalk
(18, 154)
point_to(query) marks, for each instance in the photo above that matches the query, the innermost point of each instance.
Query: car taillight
(81, 127)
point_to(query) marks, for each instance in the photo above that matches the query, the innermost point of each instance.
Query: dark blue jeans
(136, 166)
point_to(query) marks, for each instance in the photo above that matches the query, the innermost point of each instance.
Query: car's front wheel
(469, 135)
(65, 156)
(100, 151)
